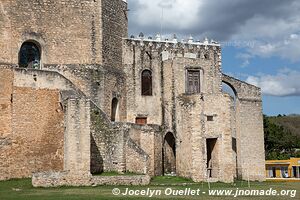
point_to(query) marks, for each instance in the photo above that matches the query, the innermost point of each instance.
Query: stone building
(78, 97)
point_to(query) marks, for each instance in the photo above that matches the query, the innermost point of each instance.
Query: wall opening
(230, 90)
(141, 120)
(193, 81)
(234, 149)
(212, 159)
(114, 109)
(147, 83)
(169, 154)
(30, 55)
(296, 171)
(273, 172)
(210, 118)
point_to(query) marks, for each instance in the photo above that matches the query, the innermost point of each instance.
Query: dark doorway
(169, 154)
(114, 109)
(30, 55)
(294, 175)
(234, 149)
(211, 164)
(273, 172)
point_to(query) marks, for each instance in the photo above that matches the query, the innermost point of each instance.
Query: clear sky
(260, 39)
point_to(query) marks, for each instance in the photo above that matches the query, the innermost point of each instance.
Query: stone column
(250, 144)
(77, 137)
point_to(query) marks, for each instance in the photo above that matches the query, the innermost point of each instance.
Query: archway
(169, 154)
(229, 89)
(114, 109)
(30, 55)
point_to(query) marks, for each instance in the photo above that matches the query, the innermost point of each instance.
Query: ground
(22, 189)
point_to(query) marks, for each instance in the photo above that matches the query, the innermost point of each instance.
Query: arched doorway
(30, 55)
(114, 109)
(169, 154)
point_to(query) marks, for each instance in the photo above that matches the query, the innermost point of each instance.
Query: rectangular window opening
(193, 82)
(141, 120)
(210, 118)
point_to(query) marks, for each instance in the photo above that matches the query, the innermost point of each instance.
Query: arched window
(147, 83)
(114, 109)
(30, 55)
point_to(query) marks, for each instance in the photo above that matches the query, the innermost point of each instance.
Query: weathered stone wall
(57, 179)
(6, 90)
(68, 31)
(146, 141)
(5, 33)
(136, 60)
(82, 42)
(249, 130)
(36, 117)
(250, 143)
(242, 89)
(100, 84)
(137, 160)
(168, 63)
(108, 143)
(192, 136)
(186, 116)
(124, 146)
(6, 134)
(77, 136)
(114, 29)
(221, 128)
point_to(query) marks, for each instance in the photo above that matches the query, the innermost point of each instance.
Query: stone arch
(229, 89)
(30, 54)
(114, 109)
(169, 154)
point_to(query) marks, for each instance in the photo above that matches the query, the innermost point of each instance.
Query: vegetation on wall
(282, 137)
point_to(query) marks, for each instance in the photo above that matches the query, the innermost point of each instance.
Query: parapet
(160, 42)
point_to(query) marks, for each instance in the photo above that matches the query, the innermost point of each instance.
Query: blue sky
(260, 39)
(272, 104)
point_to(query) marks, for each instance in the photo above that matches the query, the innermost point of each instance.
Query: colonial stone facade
(78, 97)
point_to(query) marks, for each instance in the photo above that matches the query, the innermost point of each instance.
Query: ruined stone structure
(78, 97)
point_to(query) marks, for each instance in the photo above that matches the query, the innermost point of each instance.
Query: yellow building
(283, 168)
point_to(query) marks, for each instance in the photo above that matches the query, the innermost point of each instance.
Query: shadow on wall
(96, 158)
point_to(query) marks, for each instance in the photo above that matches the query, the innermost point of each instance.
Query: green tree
(280, 143)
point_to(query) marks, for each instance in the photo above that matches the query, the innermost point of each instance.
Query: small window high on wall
(147, 83)
(141, 120)
(30, 55)
(114, 109)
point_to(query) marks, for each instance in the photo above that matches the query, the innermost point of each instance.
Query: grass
(170, 180)
(22, 189)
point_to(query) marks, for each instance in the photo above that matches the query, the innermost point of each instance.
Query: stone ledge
(58, 179)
